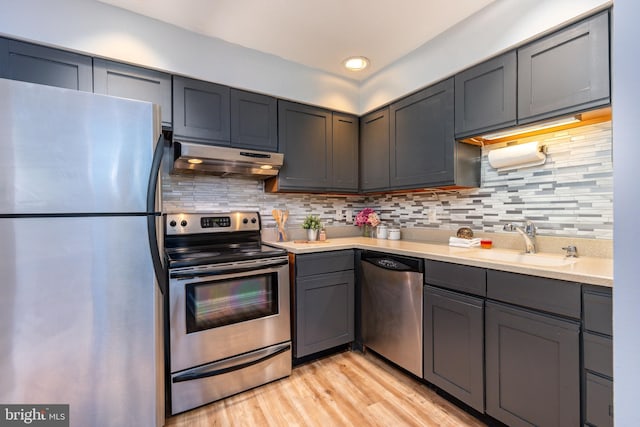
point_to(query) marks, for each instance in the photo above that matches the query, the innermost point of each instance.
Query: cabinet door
(565, 72)
(532, 367)
(43, 65)
(345, 153)
(201, 111)
(304, 137)
(598, 401)
(324, 312)
(126, 81)
(374, 151)
(254, 121)
(422, 138)
(485, 96)
(454, 344)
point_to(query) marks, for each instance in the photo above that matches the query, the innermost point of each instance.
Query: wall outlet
(349, 216)
(431, 216)
(338, 216)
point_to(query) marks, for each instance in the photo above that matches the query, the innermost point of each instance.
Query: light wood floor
(345, 389)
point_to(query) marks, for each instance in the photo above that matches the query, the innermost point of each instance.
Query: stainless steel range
(228, 307)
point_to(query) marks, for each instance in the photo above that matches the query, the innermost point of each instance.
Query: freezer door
(81, 319)
(64, 151)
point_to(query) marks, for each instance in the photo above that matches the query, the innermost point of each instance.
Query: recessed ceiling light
(356, 63)
(194, 161)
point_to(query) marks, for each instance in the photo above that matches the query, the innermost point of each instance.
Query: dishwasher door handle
(390, 264)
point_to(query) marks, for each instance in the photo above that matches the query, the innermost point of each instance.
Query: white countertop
(590, 270)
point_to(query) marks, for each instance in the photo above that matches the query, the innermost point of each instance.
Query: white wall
(626, 175)
(97, 29)
(94, 28)
(496, 28)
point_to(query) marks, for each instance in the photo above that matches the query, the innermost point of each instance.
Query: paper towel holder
(518, 156)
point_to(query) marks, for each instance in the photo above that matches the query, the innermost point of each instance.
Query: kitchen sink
(538, 260)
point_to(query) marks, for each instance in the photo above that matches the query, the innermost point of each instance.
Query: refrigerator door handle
(152, 214)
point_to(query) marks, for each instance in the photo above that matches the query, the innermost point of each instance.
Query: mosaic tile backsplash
(570, 195)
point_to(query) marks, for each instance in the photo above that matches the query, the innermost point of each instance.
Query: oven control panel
(182, 223)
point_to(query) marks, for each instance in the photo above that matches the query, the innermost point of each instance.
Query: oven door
(223, 310)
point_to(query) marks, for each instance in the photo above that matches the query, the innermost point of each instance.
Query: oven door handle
(226, 269)
(215, 369)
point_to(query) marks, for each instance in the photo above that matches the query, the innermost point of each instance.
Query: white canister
(382, 231)
(394, 234)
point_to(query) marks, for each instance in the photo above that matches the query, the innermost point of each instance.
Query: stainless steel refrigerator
(81, 279)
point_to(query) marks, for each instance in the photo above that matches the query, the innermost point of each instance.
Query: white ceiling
(319, 34)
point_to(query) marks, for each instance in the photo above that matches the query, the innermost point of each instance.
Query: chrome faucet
(529, 235)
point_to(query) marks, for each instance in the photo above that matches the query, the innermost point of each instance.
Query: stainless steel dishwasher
(392, 308)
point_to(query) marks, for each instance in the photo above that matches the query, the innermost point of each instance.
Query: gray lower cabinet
(374, 151)
(201, 111)
(565, 72)
(44, 65)
(485, 96)
(532, 367)
(254, 121)
(127, 81)
(324, 301)
(454, 344)
(598, 356)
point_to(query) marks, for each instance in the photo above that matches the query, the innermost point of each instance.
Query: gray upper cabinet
(320, 150)
(305, 139)
(345, 153)
(126, 81)
(374, 151)
(201, 111)
(565, 72)
(422, 146)
(485, 96)
(43, 65)
(254, 121)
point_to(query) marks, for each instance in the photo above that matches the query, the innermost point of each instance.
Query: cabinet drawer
(598, 354)
(324, 262)
(456, 277)
(598, 314)
(598, 401)
(550, 295)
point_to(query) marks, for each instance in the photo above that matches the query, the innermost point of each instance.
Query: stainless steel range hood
(226, 161)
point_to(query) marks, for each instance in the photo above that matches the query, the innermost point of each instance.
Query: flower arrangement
(367, 216)
(311, 222)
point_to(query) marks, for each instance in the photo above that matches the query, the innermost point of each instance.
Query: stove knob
(253, 220)
(245, 221)
(183, 223)
(172, 223)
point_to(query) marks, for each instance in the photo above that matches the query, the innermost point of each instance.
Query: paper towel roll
(517, 156)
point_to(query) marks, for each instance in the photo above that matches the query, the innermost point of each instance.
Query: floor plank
(344, 389)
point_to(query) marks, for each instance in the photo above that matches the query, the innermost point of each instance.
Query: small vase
(366, 230)
(312, 234)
